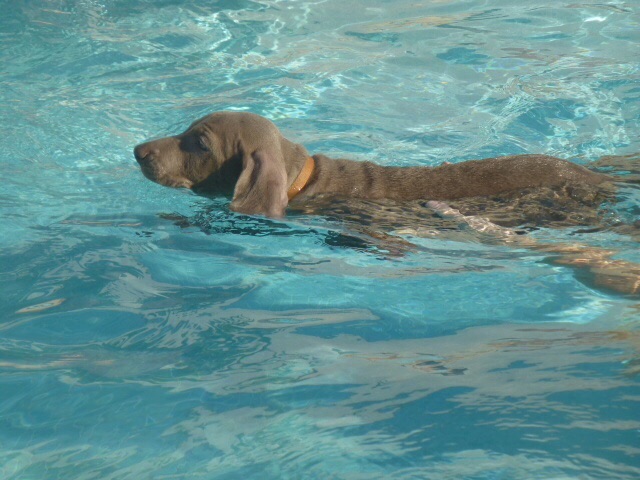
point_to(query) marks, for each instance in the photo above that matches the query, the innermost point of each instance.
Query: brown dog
(246, 155)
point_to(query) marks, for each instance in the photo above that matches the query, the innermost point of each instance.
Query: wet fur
(245, 156)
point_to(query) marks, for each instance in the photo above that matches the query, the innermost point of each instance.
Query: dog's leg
(479, 224)
(617, 275)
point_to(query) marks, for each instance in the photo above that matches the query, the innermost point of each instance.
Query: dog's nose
(144, 153)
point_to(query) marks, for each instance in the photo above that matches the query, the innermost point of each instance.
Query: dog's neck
(303, 178)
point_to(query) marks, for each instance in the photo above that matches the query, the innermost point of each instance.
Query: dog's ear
(261, 188)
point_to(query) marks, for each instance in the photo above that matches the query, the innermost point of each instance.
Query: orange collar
(303, 178)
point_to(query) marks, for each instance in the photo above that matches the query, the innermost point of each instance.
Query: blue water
(134, 348)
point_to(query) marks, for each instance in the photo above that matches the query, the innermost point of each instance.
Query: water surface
(133, 346)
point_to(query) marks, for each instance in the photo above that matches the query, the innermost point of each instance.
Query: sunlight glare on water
(146, 332)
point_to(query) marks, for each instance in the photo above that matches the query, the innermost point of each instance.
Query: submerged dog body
(246, 156)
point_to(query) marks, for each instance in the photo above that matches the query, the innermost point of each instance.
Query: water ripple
(150, 333)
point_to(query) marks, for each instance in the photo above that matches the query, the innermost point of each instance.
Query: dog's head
(227, 152)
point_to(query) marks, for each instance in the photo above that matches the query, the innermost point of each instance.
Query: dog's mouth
(164, 179)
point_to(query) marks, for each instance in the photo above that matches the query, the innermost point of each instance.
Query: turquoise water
(237, 347)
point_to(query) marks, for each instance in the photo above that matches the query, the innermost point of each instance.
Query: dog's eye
(202, 143)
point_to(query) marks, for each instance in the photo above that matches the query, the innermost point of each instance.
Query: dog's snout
(144, 153)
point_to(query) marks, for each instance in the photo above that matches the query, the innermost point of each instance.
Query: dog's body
(474, 178)
(245, 155)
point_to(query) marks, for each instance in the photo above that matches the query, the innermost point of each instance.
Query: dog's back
(474, 178)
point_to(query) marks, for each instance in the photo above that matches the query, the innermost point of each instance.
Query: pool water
(134, 346)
